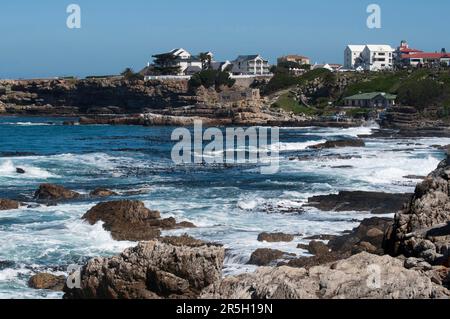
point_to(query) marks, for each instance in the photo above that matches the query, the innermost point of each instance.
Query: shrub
(211, 78)
(421, 93)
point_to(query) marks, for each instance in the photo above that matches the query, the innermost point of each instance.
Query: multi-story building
(370, 57)
(250, 65)
(377, 57)
(352, 55)
(181, 59)
(408, 57)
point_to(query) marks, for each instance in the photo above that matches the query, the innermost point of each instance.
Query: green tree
(420, 93)
(205, 57)
(211, 78)
(130, 75)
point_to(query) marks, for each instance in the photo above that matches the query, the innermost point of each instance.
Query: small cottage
(371, 100)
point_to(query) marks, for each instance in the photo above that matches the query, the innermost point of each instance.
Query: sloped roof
(356, 47)
(379, 47)
(243, 58)
(370, 96)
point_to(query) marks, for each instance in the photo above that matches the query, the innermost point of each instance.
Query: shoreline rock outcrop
(131, 221)
(55, 193)
(422, 229)
(374, 202)
(151, 270)
(45, 281)
(352, 278)
(275, 237)
(7, 204)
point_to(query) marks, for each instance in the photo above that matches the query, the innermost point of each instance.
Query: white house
(185, 61)
(351, 55)
(371, 57)
(377, 57)
(250, 65)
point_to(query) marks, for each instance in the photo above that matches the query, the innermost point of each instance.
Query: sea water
(230, 205)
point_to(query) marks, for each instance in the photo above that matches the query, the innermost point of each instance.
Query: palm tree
(205, 57)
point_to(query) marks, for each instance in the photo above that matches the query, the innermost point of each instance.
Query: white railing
(167, 77)
(250, 76)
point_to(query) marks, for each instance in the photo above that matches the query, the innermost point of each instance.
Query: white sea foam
(8, 169)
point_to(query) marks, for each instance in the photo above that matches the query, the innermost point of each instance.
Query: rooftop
(370, 96)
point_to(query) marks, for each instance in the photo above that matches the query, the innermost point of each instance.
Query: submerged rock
(7, 204)
(339, 143)
(131, 220)
(374, 202)
(47, 281)
(275, 237)
(102, 192)
(55, 192)
(151, 270)
(346, 279)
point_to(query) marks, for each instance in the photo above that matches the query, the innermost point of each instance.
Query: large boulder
(152, 270)
(54, 192)
(131, 220)
(265, 256)
(353, 278)
(370, 234)
(275, 237)
(422, 229)
(369, 237)
(7, 204)
(47, 281)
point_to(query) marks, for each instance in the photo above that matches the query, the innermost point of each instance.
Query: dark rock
(368, 236)
(20, 170)
(102, 192)
(54, 192)
(318, 248)
(265, 256)
(152, 270)
(131, 220)
(321, 237)
(275, 237)
(7, 204)
(340, 143)
(47, 281)
(374, 202)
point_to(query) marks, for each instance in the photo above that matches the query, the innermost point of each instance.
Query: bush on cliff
(130, 75)
(420, 94)
(211, 78)
(283, 80)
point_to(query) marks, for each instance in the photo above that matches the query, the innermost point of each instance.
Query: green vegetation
(420, 93)
(283, 80)
(130, 75)
(288, 103)
(211, 78)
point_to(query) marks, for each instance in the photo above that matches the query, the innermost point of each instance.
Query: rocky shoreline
(410, 254)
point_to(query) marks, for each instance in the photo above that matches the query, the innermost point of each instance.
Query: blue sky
(35, 41)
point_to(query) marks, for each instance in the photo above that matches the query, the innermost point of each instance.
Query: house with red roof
(406, 56)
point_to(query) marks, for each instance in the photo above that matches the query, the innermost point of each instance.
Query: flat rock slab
(374, 202)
